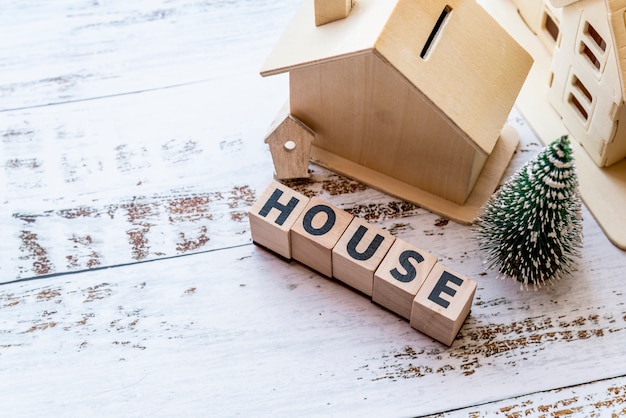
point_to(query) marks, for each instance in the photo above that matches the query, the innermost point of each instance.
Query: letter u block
(442, 304)
(272, 216)
(358, 254)
(315, 234)
(399, 277)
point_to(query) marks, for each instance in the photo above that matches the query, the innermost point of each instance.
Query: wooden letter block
(442, 304)
(315, 234)
(273, 215)
(358, 254)
(400, 275)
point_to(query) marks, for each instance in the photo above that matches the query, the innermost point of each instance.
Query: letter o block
(358, 254)
(399, 277)
(272, 216)
(442, 304)
(315, 234)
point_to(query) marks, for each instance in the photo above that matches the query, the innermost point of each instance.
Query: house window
(578, 106)
(550, 26)
(578, 85)
(580, 98)
(593, 34)
(586, 51)
(434, 34)
(593, 46)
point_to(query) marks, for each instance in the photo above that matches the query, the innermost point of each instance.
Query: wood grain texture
(595, 399)
(488, 181)
(327, 11)
(395, 283)
(315, 249)
(459, 55)
(290, 145)
(273, 215)
(443, 303)
(124, 217)
(363, 110)
(359, 252)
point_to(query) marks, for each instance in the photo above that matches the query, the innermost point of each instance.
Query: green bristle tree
(531, 228)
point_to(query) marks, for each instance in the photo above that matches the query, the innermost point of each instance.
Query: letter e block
(400, 275)
(442, 304)
(358, 254)
(315, 234)
(272, 216)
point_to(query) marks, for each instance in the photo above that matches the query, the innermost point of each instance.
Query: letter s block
(315, 234)
(442, 304)
(358, 254)
(272, 216)
(399, 277)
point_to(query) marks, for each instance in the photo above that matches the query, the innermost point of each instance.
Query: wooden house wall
(360, 108)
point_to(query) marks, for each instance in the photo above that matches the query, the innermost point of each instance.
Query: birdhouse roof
(295, 130)
(473, 72)
(616, 11)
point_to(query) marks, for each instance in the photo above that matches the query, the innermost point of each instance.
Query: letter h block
(400, 276)
(272, 216)
(358, 254)
(442, 304)
(315, 234)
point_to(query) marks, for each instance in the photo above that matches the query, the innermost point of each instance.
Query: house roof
(616, 10)
(472, 74)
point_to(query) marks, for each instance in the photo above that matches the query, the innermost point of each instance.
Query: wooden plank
(600, 398)
(75, 50)
(81, 182)
(106, 177)
(98, 183)
(260, 334)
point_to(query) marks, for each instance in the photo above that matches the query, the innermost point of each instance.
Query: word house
(395, 274)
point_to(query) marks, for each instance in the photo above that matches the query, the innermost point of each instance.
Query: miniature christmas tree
(531, 228)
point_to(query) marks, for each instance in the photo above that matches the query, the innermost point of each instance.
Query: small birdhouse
(290, 145)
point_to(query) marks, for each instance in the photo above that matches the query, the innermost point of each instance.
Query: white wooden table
(130, 151)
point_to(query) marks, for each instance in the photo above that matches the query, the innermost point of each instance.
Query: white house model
(587, 83)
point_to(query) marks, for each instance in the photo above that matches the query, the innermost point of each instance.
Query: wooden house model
(408, 96)
(587, 83)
